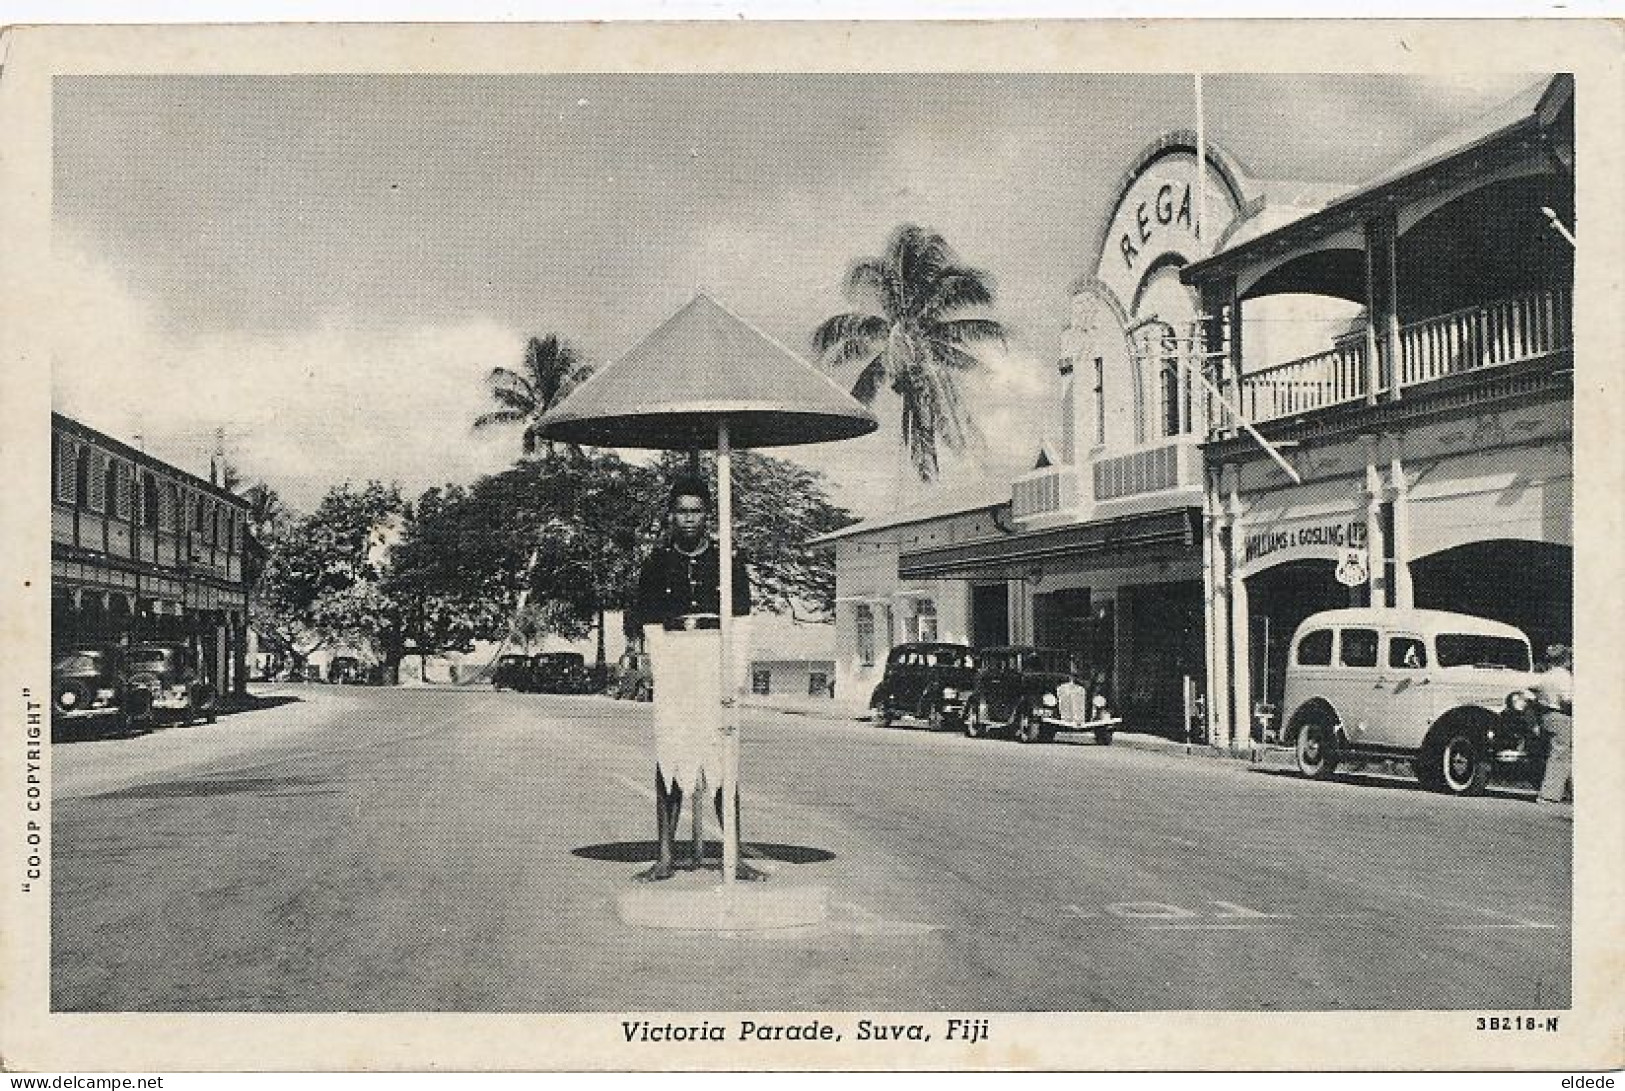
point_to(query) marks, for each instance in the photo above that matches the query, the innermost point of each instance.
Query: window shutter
(98, 482)
(67, 460)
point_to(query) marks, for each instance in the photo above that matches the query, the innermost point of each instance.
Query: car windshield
(955, 659)
(1472, 650)
(505, 661)
(1048, 661)
(151, 656)
(79, 661)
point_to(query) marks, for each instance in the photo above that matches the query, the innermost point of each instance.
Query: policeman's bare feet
(661, 870)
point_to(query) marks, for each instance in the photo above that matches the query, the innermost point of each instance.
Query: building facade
(1423, 457)
(1226, 322)
(142, 550)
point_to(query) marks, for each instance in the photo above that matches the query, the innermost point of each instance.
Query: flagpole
(1201, 163)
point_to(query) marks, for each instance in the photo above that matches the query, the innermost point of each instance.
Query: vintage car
(1030, 693)
(558, 672)
(174, 681)
(511, 672)
(92, 682)
(1444, 691)
(347, 670)
(927, 682)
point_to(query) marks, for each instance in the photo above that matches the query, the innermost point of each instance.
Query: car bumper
(1096, 724)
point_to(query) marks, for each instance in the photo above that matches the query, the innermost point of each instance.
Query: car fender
(1312, 708)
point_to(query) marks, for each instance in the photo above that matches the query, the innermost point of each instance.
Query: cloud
(302, 410)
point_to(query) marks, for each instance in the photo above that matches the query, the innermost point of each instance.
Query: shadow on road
(218, 786)
(1395, 782)
(639, 852)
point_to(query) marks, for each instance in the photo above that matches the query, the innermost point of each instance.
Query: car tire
(1317, 750)
(1025, 728)
(933, 718)
(1461, 766)
(975, 721)
(1103, 736)
(883, 717)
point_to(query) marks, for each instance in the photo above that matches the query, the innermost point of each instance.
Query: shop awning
(1179, 527)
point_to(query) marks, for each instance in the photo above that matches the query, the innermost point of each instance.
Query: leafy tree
(915, 338)
(552, 368)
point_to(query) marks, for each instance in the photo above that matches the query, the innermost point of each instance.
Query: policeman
(678, 619)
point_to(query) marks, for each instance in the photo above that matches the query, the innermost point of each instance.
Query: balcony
(1050, 491)
(1506, 332)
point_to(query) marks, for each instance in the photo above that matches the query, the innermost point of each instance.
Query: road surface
(439, 849)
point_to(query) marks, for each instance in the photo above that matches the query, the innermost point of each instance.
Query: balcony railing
(1431, 348)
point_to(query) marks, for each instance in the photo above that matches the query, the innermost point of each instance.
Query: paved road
(437, 849)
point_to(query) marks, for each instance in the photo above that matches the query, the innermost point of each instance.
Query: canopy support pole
(730, 726)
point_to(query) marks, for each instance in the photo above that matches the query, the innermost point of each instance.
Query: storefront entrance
(1527, 584)
(1278, 600)
(1162, 634)
(990, 615)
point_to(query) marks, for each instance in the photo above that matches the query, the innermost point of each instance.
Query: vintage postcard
(1024, 545)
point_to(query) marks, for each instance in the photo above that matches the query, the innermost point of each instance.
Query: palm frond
(959, 287)
(961, 331)
(499, 416)
(870, 278)
(870, 378)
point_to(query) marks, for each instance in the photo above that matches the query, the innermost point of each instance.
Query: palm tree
(551, 370)
(915, 340)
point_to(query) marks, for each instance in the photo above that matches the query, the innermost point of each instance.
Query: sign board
(1354, 567)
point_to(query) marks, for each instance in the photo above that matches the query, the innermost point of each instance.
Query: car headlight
(1049, 700)
(67, 698)
(1099, 701)
(1518, 700)
(949, 692)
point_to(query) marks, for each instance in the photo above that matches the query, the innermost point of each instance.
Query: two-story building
(1425, 456)
(142, 550)
(1143, 526)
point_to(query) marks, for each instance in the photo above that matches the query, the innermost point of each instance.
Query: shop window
(1315, 649)
(1358, 648)
(866, 636)
(925, 622)
(149, 498)
(818, 684)
(1407, 653)
(761, 681)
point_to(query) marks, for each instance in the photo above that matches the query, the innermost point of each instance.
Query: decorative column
(1404, 593)
(1376, 549)
(1214, 621)
(1240, 628)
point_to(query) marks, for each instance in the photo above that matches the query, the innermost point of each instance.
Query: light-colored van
(1442, 690)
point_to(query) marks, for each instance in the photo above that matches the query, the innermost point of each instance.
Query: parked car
(1444, 691)
(174, 681)
(346, 670)
(928, 682)
(511, 672)
(92, 682)
(1030, 694)
(558, 672)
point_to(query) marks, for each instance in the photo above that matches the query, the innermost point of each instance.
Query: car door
(999, 687)
(1365, 704)
(1404, 688)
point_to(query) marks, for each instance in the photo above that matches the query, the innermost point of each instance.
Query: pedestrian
(677, 618)
(1554, 701)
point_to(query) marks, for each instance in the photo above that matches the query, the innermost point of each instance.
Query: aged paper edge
(32, 1038)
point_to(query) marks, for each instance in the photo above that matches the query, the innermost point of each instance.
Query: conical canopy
(703, 364)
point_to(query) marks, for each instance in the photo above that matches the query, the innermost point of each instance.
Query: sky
(327, 267)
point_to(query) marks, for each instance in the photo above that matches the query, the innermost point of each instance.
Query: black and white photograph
(815, 547)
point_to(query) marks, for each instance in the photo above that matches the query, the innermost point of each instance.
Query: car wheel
(1025, 727)
(933, 718)
(1317, 750)
(1103, 736)
(883, 717)
(1462, 765)
(975, 718)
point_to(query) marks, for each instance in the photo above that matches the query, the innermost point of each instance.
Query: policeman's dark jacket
(673, 583)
